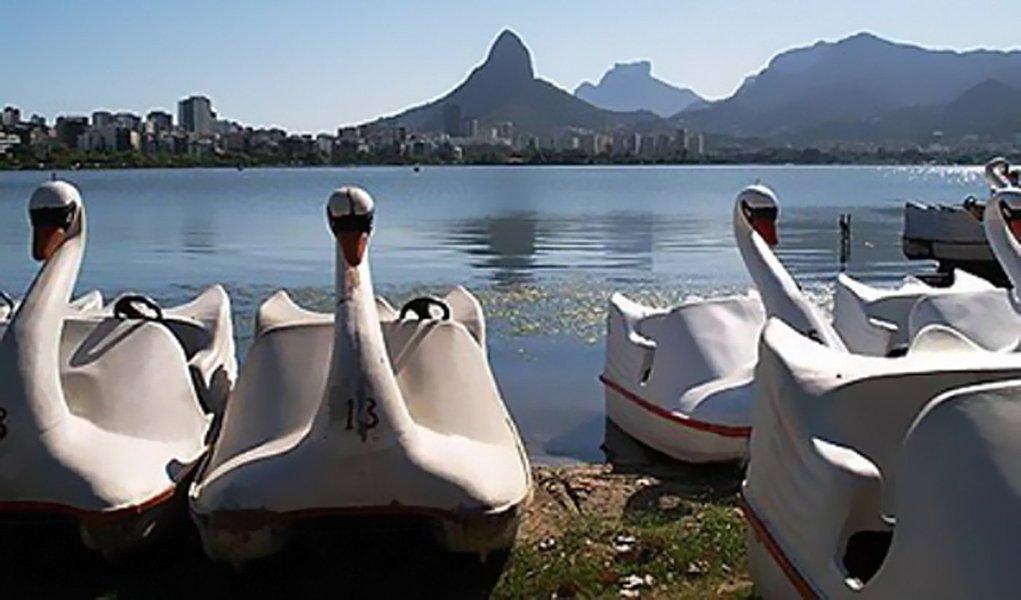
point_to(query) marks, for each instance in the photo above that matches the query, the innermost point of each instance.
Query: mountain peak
(504, 89)
(638, 68)
(509, 56)
(865, 39)
(630, 86)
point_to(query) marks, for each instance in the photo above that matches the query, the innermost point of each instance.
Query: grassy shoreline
(608, 531)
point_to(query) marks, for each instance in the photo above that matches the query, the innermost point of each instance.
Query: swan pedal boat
(367, 411)
(100, 419)
(681, 380)
(876, 477)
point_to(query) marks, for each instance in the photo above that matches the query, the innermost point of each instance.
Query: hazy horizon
(314, 66)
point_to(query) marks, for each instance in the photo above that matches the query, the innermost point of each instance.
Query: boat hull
(675, 435)
(951, 236)
(111, 533)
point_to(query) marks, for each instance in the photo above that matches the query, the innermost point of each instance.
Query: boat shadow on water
(327, 558)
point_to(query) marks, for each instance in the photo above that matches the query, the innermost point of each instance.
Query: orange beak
(767, 229)
(45, 241)
(353, 244)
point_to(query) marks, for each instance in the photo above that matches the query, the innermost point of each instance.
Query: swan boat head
(349, 211)
(55, 211)
(758, 208)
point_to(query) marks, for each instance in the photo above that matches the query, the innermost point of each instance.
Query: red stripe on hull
(81, 513)
(729, 431)
(801, 584)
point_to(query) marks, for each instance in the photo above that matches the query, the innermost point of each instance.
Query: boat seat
(415, 347)
(714, 340)
(987, 318)
(723, 401)
(419, 350)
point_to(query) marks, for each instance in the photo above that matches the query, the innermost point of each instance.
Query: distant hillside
(990, 109)
(860, 79)
(631, 86)
(504, 88)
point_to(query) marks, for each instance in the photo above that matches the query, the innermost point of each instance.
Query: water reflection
(514, 248)
(505, 246)
(198, 229)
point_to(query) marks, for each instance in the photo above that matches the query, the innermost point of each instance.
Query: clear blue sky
(310, 65)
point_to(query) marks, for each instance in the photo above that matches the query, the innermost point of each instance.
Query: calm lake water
(542, 247)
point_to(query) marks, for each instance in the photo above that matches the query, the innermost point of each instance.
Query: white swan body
(837, 467)
(100, 419)
(874, 321)
(681, 380)
(362, 413)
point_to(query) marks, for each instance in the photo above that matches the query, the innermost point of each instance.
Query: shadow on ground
(704, 483)
(327, 559)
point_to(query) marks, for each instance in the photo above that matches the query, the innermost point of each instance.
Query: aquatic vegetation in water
(573, 307)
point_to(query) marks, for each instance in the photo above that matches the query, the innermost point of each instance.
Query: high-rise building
(70, 127)
(102, 118)
(696, 144)
(160, 120)
(126, 120)
(11, 116)
(195, 114)
(452, 119)
(505, 130)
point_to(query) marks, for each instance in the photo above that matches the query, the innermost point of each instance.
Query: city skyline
(316, 66)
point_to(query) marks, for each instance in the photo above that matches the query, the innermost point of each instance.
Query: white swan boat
(838, 470)
(681, 380)
(364, 412)
(99, 418)
(952, 234)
